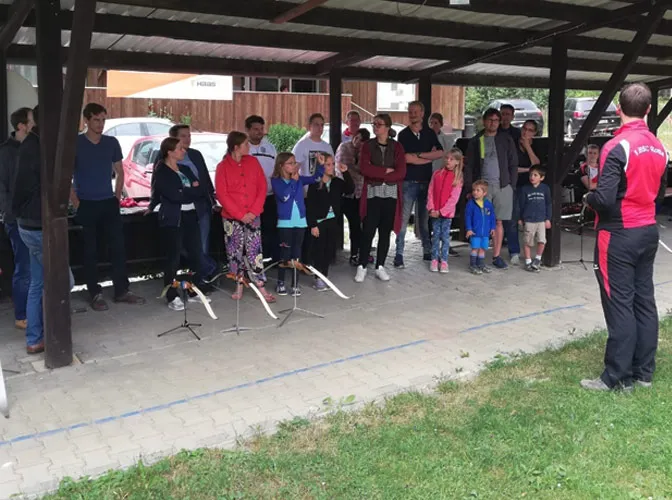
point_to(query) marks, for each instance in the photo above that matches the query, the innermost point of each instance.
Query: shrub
(283, 137)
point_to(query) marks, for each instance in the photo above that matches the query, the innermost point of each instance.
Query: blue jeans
(511, 228)
(441, 238)
(21, 277)
(208, 265)
(35, 331)
(414, 193)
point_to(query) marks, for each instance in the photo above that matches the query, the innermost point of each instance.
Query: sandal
(267, 295)
(238, 294)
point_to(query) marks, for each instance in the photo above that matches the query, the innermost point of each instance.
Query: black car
(576, 112)
(524, 110)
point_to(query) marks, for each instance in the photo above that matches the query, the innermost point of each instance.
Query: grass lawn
(522, 429)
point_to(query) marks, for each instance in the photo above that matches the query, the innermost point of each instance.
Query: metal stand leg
(236, 327)
(581, 260)
(185, 323)
(296, 308)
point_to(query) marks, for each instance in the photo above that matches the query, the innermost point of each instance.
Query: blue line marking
(165, 406)
(519, 318)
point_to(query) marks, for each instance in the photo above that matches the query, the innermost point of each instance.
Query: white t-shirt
(265, 152)
(306, 151)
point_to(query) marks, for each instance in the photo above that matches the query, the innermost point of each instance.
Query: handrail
(365, 110)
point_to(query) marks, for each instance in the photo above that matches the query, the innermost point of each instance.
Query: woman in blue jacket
(177, 189)
(289, 195)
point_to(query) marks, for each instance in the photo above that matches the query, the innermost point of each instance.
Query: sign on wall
(395, 96)
(169, 86)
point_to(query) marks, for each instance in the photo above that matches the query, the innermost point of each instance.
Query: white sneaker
(381, 274)
(361, 274)
(515, 260)
(176, 304)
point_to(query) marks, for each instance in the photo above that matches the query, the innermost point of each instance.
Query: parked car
(129, 130)
(576, 112)
(139, 164)
(397, 127)
(524, 110)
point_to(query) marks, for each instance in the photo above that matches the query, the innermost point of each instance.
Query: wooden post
(556, 106)
(57, 334)
(661, 116)
(335, 109)
(652, 118)
(4, 112)
(425, 95)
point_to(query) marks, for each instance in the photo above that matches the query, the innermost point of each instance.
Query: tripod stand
(236, 326)
(582, 224)
(185, 324)
(296, 307)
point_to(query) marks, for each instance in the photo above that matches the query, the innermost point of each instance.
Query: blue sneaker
(499, 263)
(320, 285)
(399, 262)
(280, 288)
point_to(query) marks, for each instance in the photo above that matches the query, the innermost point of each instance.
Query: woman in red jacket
(382, 163)
(240, 187)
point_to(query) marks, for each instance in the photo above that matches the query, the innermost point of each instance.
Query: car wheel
(570, 131)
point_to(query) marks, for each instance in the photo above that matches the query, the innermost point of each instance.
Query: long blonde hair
(456, 154)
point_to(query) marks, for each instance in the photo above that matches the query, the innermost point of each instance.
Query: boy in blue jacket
(534, 200)
(480, 224)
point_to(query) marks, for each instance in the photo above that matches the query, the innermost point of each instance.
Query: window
(304, 85)
(267, 85)
(126, 129)
(158, 128)
(143, 153)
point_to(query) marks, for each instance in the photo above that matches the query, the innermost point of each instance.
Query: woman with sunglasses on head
(176, 188)
(383, 165)
(240, 187)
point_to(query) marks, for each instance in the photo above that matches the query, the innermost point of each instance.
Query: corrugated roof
(413, 11)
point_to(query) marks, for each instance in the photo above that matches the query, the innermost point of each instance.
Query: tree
(477, 98)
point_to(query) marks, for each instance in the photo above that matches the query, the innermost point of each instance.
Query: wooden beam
(425, 96)
(56, 302)
(653, 114)
(297, 11)
(4, 106)
(18, 12)
(609, 17)
(615, 82)
(368, 22)
(335, 108)
(556, 107)
(340, 60)
(662, 115)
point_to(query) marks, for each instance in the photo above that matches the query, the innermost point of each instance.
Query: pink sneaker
(434, 266)
(444, 267)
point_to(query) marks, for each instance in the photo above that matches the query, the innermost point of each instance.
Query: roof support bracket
(661, 116)
(613, 85)
(18, 13)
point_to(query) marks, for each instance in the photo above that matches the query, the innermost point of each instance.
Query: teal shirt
(296, 220)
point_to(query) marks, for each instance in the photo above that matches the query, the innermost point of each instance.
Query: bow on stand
(188, 286)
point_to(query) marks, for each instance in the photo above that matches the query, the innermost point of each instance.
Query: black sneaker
(453, 253)
(530, 268)
(536, 264)
(98, 303)
(499, 263)
(399, 262)
(296, 292)
(280, 288)
(475, 270)
(354, 260)
(427, 257)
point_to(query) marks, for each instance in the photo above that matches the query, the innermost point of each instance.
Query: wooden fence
(222, 116)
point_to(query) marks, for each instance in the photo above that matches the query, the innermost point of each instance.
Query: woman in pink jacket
(444, 192)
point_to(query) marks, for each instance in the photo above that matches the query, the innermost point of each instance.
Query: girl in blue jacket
(288, 189)
(480, 225)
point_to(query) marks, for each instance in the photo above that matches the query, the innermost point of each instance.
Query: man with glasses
(491, 156)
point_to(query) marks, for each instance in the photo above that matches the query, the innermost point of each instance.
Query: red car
(139, 164)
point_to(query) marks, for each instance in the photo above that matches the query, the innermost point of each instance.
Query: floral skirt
(244, 240)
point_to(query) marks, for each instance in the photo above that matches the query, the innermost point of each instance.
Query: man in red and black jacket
(632, 168)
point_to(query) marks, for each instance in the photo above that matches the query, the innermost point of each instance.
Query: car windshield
(523, 104)
(588, 105)
(213, 151)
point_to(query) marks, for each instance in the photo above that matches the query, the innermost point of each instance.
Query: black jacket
(208, 199)
(168, 190)
(26, 200)
(9, 156)
(320, 199)
(507, 157)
